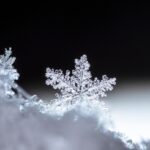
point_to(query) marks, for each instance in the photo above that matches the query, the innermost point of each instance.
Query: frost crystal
(77, 86)
(8, 74)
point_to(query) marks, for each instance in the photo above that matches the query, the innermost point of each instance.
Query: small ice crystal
(8, 74)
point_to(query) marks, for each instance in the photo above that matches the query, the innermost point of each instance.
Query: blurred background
(115, 36)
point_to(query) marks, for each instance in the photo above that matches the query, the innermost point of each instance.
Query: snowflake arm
(6, 60)
(81, 76)
(59, 81)
(99, 88)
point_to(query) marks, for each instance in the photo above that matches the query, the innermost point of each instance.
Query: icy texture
(8, 74)
(77, 87)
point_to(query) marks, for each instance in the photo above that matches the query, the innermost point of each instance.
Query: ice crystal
(80, 84)
(8, 74)
(77, 87)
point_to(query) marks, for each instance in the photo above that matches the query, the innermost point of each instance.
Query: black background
(115, 37)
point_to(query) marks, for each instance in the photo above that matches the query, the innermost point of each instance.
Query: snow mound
(31, 130)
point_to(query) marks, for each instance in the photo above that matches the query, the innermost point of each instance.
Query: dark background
(116, 38)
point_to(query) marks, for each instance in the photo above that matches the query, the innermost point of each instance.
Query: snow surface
(30, 130)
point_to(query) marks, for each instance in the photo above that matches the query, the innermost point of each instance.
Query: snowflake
(77, 86)
(8, 74)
